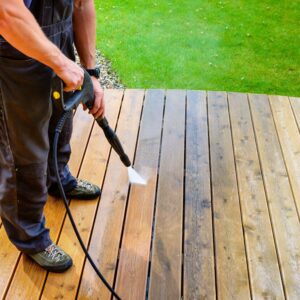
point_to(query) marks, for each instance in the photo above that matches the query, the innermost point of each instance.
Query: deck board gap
(98, 202)
(183, 199)
(155, 201)
(127, 200)
(211, 196)
(239, 196)
(283, 156)
(267, 197)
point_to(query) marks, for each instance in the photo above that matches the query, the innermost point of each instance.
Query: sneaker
(53, 259)
(83, 190)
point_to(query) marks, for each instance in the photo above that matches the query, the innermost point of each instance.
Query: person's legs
(24, 147)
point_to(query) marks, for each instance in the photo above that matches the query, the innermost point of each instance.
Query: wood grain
(289, 138)
(135, 249)
(264, 270)
(104, 244)
(232, 274)
(199, 267)
(93, 169)
(29, 278)
(280, 198)
(295, 102)
(165, 273)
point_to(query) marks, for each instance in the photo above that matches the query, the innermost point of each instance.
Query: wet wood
(218, 219)
(92, 169)
(105, 240)
(135, 248)
(29, 278)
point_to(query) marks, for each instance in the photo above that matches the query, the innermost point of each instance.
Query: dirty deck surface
(219, 217)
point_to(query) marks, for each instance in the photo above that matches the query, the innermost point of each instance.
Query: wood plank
(295, 102)
(232, 275)
(199, 266)
(29, 277)
(264, 270)
(280, 199)
(165, 273)
(105, 240)
(289, 138)
(93, 169)
(135, 249)
(9, 256)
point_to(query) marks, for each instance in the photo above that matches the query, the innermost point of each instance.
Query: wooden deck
(219, 217)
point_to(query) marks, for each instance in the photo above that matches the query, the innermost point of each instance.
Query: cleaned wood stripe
(282, 206)
(295, 102)
(93, 169)
(289, 138)
(199, 267)
(264, 270)
(165, 273)
(104, 244)
(232, 274)
(29, 277)
(135, 250)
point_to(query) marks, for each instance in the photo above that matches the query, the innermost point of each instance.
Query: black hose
(58, 130)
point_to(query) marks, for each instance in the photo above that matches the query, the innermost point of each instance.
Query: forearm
(19, 27)
(84, 25)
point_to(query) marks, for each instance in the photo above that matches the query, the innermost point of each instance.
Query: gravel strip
(108, 77)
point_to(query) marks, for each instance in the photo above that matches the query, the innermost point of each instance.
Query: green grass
(246, 46)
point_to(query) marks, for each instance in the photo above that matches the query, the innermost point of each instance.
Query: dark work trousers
(27, 121)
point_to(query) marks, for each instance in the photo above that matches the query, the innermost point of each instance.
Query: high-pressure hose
(58, 130)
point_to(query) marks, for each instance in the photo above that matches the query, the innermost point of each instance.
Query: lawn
(246, 46)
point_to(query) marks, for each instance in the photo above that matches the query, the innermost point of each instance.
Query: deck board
(219, 218)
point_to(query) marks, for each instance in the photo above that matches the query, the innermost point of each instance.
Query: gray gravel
(108, 77)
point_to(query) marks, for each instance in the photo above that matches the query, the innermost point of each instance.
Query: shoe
(83, 190)
(53, 259)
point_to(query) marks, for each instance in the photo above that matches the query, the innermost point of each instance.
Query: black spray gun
(66, 102)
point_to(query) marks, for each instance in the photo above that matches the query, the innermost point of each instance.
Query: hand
(98, 109)
(71, 74)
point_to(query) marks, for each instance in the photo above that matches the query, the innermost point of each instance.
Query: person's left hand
(98, 109)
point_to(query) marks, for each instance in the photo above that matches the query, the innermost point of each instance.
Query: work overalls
(27, 121)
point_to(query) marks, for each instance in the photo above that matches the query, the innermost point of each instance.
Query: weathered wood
(104, 244)
(264, 271)
(29, 277)
(289, 138)
(92, 169)
(199, 267)
(295, 102)
(165, 273)
(232, 275)
(281, 203)
(135, 249)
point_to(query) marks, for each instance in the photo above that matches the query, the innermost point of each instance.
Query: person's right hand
(71, 74)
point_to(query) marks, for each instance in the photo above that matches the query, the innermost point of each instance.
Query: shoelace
(84, 184)
(54, 252)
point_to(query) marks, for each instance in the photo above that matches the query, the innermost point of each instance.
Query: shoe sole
(78, 197)
(57, 269)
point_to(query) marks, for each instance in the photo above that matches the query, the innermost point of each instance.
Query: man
(36, 39)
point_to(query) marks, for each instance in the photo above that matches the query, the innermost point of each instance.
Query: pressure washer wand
(114, 141)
